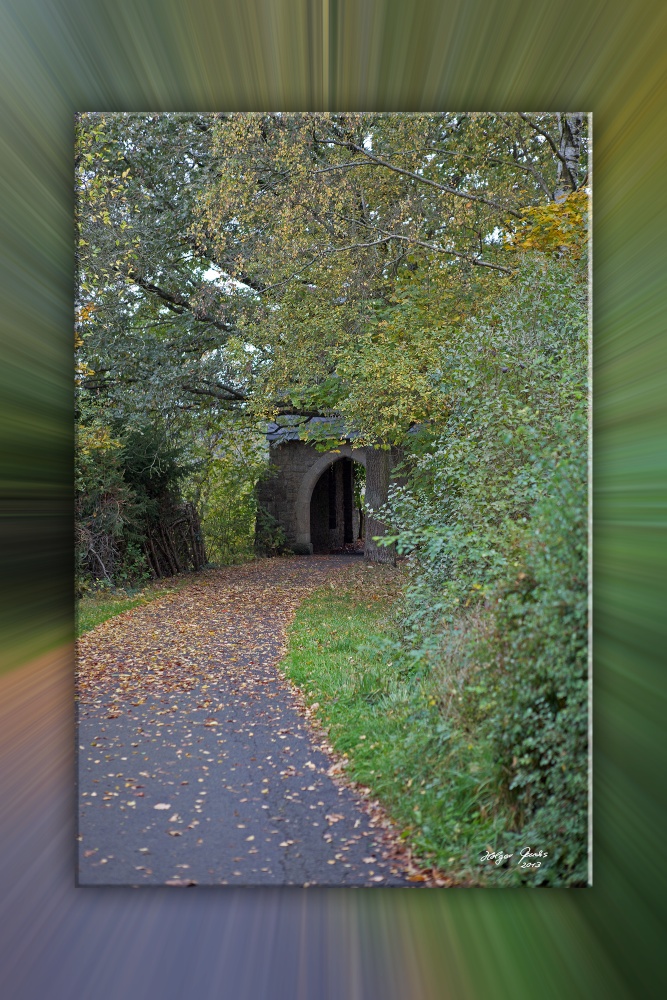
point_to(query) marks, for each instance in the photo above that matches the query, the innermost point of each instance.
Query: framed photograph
(332, 499)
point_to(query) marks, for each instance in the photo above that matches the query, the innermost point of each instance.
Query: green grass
(95, 608)
(435, 779)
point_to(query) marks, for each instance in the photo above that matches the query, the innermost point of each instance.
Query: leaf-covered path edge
(200, 763)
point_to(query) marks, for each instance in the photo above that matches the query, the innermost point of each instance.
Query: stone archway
(310, 480)
(295, 468)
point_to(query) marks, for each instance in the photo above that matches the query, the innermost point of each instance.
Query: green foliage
(270, 539)
(227, 459)
(152, 319)
(495, 522)
(437, 783)
(540, 729)
(127, 486)
(266, 262)
(362, 235)
(154, 467)
(226, 495)
(107, 512)
(229, 521)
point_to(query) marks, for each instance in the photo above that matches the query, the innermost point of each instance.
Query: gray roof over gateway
(295, 428)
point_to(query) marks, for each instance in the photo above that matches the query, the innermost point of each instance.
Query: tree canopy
(290, 263)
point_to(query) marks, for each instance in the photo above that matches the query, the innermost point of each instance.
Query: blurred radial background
(61, 56)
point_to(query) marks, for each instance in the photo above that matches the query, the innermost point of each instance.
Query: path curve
(196, 764)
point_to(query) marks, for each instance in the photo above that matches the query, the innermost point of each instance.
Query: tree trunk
(571, 124)
(378, 468)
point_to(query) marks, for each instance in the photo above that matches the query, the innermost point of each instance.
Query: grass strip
(436, 780)
(95, 608)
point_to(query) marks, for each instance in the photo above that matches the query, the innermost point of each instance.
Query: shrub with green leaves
(231, 460)
(538, 722)
(128, 497)
(107, 511)
(494, 518)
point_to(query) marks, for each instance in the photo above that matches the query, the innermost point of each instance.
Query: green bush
(270, 539)
(539, 723)
(128, 487)
(223, 489)
(494, 521)
(107, 511)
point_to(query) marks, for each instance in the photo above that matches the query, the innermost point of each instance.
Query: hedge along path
(197, 762)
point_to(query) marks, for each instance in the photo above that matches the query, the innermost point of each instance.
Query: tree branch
(553, 145)
(467, 195)
(233, 395)
(386, 237)
(177, 303)
(291, 411)
(531, 170)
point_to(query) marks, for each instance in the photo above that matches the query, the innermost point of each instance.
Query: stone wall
(278, 493)
(295, 469)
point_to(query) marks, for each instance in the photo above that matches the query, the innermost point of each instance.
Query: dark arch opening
(336, 514)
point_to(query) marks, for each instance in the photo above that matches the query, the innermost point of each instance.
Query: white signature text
(525, 859)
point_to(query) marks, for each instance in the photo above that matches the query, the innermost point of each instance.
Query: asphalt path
(197, 765)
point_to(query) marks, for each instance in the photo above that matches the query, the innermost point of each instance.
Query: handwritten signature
(525, 859)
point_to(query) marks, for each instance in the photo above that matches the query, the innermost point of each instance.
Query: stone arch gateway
(295, 469)
(302, 511)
